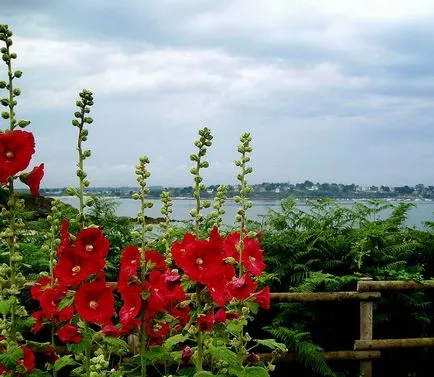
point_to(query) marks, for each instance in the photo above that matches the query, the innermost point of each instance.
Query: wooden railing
(366, 348)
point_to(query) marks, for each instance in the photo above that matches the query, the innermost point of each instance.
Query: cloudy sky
(331, 91)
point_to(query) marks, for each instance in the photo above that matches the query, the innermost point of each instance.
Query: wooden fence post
(366, 330)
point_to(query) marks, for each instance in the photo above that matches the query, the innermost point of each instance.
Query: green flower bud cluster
(81, 118)
(10, 102)
(204, 142)
(143, 174)
(244, 149)
(51, 241)
(219, 199)
(166, 211)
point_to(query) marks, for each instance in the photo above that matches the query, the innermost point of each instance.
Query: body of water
(422, 211)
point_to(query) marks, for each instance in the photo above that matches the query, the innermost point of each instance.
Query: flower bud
(18, 74)
(186, 354)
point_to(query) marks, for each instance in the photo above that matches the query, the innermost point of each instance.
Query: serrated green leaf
(255, 372)
(236, 325)
(253, 306)
(156, 353)
(271, 343)
(39, 373)
(169, 343)
(117, 346)
(63, 362)
(5, 307)
(9, 358)
(24, 324)
(224, 354)
(203, 374)
(68, 300)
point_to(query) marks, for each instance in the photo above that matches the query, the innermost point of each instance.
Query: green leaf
(117, 346)
(223, 354)
(68, 300)
(156, 353)
(236, 325)
(5, 307)
(169, 343)
(11, 356)
(24, 324)
(271, 343)
(63, 362)
(203, 374)
(255, 372)
(39, 373)
(253, 306)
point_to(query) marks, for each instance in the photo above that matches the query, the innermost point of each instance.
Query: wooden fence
(366, 348)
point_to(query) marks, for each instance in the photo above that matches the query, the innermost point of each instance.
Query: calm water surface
(181, 207)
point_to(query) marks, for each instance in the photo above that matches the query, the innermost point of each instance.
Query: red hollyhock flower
(50, 300)
(263, 298)
(157, 332)
(16, 150)
(39, 287)
(130, 260)
(217, 290)
(252, 257)
(28, 359)
(220, 316)
(201, 260)
(65, 239)
(155, 261)
(110, 330)
(94, 302)
(38, 316)
(132, 297)
(181, 314)
(242, 287)
(206, 322)
(51, 355)
(92, 243)
(232, 315)
(33, 179)
(74, 267)
(157, 288)
(69, 334)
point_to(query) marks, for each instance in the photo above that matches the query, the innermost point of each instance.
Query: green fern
(308, 354)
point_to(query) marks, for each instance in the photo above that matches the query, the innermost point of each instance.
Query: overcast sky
(331, 91)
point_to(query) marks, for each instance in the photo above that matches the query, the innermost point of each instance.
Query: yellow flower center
(199, 261)
(252, 259)
(76, 270)
(93, 304)
(9, 155)
(89, 248)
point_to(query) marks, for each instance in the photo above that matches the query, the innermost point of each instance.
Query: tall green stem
(142, 174)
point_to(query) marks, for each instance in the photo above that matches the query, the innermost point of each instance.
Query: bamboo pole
(366, 330)
(379, 344)
(323, 296)
(392, 285)
(330, 355)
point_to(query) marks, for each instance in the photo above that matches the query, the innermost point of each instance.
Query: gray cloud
(329, 93)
